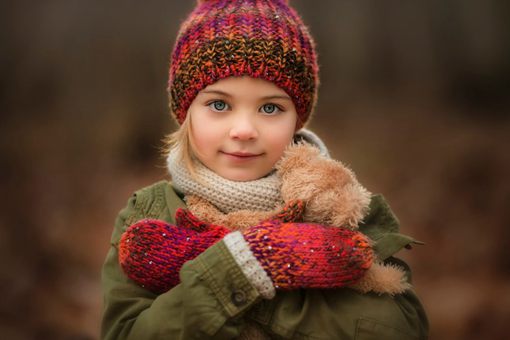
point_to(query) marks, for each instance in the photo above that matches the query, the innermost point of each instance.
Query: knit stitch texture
(273, 254)
(306, 255)
(152, 252)
(228, 196)
(263, 39)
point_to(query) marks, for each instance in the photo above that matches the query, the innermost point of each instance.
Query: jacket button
(238, 298)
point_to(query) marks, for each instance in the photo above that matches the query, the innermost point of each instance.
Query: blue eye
(270, 108)
(218, 105)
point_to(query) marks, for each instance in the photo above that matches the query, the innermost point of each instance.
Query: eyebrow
(216, 92)
(277, 96)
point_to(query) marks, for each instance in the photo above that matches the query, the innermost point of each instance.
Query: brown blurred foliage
(414, 97)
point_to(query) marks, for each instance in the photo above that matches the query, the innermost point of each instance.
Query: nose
(243, 127)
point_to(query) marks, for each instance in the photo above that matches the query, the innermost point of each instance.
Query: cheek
(202, 141)
(203, 137)
(280, 138)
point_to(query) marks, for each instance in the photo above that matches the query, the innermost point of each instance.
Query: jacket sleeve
(208, 303)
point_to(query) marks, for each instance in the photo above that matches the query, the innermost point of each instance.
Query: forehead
(239, 86)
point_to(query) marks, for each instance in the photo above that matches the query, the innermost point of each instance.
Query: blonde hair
(182, 142)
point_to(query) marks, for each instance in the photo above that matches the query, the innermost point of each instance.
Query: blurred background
(414, 97)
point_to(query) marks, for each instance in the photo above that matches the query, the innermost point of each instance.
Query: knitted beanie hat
(260, 38)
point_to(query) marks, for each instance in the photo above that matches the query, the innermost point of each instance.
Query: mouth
(241, 155)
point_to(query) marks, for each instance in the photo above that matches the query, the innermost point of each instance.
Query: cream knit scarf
(228, 196)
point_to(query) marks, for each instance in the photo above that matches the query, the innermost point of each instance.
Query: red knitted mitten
(152, 252)
(303, 255)
(293, 211)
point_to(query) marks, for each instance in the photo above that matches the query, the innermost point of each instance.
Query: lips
(241, 154)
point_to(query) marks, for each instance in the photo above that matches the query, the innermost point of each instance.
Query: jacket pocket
(367, 329)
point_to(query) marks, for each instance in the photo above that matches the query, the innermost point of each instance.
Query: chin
(241, 177)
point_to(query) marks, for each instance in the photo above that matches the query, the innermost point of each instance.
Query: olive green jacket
(215, 300)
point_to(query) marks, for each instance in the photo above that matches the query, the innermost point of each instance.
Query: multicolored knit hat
(260, 38)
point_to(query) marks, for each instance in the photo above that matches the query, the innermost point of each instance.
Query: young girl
(260, 234)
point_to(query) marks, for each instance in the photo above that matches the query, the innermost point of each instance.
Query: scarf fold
(229, 196)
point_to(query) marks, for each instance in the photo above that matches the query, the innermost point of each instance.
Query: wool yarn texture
(152, 252)
(227, 195)
(292, 255)
(308, 255)
(263, 39)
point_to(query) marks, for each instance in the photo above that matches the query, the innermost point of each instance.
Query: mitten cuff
(249, 264)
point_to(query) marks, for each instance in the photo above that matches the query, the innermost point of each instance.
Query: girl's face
(240, 127)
